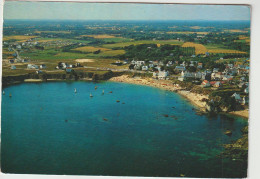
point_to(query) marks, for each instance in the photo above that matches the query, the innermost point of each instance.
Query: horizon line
(126, 20)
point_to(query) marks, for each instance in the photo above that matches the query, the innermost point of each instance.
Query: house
(162, 74)
(13, 67)
(170, 62)
(18, 46)
(246, 90)
(78, 65)
(205, 84)
(62, 65)
(218, 84)
(180, 68)
(42, 66)
(139, 63)
(215, 70)
(144, 68)
(151, 65)
(32, 66)
(245, 100)
(155, 74)
(200, 65)
(38, 71)
(236, 96)
(206, 76)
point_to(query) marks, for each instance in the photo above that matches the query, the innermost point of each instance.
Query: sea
(129, 130)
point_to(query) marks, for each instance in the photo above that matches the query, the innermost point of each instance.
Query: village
(234, 76)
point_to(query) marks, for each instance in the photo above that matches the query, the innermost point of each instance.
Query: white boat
(3, 92)
(90, 95)
(75, 90)
(103, 92)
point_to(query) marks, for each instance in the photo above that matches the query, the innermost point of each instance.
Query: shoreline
(194, 98)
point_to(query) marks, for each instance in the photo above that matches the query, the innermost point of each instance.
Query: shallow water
(48, 129)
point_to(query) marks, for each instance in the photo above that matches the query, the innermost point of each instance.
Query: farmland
(105, 36)
(90, 49)
(161, 42)
(106, 44)
(199, 48)
(19, 38)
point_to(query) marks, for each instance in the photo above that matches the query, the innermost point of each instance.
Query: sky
(122, 11)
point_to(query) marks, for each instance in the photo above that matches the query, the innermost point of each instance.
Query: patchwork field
(236, 31)
(53, 32)
(225, 51)
(199, 48)
(111, 53)
(19, 38)
(104, 36)
(90, 49)
(161, 42)
(214, 49)
(188, 32)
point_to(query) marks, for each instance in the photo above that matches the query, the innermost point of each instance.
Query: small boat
(3, 92)
(110, 92)
(75, 90)
(105, 119)
(90, 95)
(10, 95)
(95, 87)
(117, 101)
(103, 92)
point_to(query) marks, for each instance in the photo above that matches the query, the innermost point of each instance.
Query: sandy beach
(242, 113)
(33, 80)
(194, 98)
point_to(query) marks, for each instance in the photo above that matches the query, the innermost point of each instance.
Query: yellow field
(225, 51)
(104, 36)
(195, 27)
(188, 32)
(199, 48)
(242, 37)
(90, 49)
(236, 31)
(18, 37)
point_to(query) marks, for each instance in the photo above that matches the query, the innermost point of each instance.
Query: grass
(51, 54)
(111, 53)
(53, 32)
(18, 37)
(226, 51)
(161, 42)
(221, 49)
(188, 32)
(89, 49)
(117, 39)
(104, 36)
(240, 60)
(44, 40)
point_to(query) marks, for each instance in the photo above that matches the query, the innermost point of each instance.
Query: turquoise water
(48, 129)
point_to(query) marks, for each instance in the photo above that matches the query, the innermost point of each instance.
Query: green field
(51, 54)
(161, 42)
